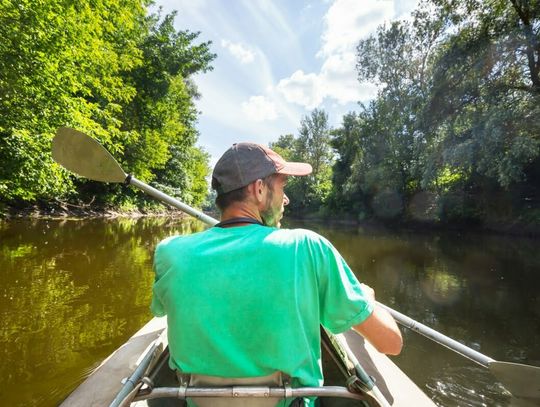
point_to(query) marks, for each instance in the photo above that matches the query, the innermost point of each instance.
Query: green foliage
(447, 177)
(346, 141)
(60, 63)
(162, 111)
(286, 146)
(485, 91)
(313, 146)
(185, 175)
(27, 170)
(456, 116)
(108, 69)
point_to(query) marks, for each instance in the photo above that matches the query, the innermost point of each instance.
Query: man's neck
(241, 210)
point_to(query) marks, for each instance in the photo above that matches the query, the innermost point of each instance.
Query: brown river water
(72, 291)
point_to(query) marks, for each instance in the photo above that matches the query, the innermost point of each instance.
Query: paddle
(521, 380)
(84, 156)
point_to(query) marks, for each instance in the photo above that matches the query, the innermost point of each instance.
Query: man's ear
(258, 190)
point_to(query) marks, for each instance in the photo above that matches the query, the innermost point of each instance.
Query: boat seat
(164, 387)
(265, 391)
(277, 379)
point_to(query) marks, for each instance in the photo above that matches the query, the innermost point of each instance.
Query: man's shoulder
(299, 235)
(175, 240)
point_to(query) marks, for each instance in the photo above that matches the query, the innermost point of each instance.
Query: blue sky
(277, 61)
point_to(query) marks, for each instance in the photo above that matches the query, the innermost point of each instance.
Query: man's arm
(380, 329)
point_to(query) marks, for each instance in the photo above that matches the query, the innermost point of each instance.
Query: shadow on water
(73, 291)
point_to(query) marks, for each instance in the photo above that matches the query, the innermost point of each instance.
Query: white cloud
(239, 51)
(404, 8)
(345, 23)
(303, 89)
(312, 64)
(259, 108)
(340, 79)
(348, 21)
(223, 120)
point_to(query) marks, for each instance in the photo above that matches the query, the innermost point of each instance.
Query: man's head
(248, 168)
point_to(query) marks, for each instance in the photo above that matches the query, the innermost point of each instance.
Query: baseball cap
(244, 163)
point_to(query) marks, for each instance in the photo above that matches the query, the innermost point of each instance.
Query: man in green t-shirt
(246, 298)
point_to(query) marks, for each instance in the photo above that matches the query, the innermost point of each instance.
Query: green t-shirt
(248, 301)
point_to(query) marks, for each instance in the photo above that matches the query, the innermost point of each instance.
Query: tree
(485, 95)
(60, 64)
(184, 175)
(314, 148)
(105, 68)
(347, 144)
(286, 146)
(162, 112)
(312, 145)
(455, 112)
(391, 142)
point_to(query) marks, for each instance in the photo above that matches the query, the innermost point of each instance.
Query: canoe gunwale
(146, 362)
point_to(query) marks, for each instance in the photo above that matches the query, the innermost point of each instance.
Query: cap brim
(297, 169)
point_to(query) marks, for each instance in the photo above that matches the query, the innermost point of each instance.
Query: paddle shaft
(131, 180)
(438, 337)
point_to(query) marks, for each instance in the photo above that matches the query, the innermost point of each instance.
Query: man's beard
(269, 215)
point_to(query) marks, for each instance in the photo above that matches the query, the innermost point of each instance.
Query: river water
(72, 291)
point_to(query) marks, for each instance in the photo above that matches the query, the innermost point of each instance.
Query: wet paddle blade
(520, 380)
(84, 156)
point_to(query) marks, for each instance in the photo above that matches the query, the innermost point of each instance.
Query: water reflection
(71, 292)
(440, 286)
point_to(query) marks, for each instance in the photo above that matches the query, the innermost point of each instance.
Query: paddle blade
(84, 156)
(520, 380)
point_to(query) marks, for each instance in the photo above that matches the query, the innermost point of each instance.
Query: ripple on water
(467, 386)
(58, 390)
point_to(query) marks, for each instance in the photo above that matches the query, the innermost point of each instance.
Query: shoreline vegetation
(66, 210)
(515, 227)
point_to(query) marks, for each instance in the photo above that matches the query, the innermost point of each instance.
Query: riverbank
(63, 210)
(66, 210)
(510, 227)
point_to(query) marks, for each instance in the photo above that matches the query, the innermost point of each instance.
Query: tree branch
(532, 46)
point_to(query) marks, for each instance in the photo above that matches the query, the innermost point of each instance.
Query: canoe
(144, 354)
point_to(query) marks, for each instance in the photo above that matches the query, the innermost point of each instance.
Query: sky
(277, 61)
